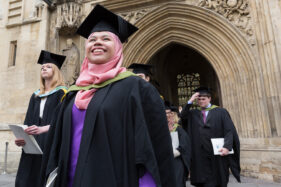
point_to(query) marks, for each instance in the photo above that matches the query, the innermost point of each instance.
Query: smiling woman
(111, 129)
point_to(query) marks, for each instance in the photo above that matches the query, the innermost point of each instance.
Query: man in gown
(210, 121)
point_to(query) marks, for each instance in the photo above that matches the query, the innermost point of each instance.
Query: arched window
(186, 84)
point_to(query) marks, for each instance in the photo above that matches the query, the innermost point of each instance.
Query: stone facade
(239, 38)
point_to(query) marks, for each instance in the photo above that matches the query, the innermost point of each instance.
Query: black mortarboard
(203, 90)
(167, 105)
(174, 109)
(141, 68)
(101, 19)
(47, 57)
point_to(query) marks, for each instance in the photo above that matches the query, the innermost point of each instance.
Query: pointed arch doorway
(179, 70)
(224, 48)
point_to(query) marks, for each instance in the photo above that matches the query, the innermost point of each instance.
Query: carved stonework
(68, 17)
(236, 11)
(134, 16)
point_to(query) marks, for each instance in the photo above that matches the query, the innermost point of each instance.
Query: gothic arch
(218, 41)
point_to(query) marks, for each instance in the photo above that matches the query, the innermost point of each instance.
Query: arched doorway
(179, 70)
(222, 45)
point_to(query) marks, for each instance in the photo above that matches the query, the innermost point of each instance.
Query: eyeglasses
(169, 113)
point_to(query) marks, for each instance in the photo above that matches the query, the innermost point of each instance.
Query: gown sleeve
(184, 147)
(228, 132)
(155, 117)
(184, 116)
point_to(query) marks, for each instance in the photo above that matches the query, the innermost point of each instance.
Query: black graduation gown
(29, 166)
(205, 166)
(182, 162)
(125, 130)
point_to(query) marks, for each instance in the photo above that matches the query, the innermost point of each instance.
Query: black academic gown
(182, 162)
(29, 166)
(125, 130)
(205, 166)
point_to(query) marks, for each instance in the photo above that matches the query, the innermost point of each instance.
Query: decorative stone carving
(236, 11)
(68, 17)
(71, 67)
(134, 16)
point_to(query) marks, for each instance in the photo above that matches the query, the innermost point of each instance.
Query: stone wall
(260, 158)
(26, 26)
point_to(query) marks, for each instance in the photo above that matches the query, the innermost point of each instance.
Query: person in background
(203, 124)
(181, 146)
(142, 70)
(39, 114)
(111, 129)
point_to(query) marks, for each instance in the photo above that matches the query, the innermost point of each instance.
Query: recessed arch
(221, 44)
(184, 70)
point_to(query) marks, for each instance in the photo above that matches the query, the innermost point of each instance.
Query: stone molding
(261, 144)
(222, 44)
(121, 4)
(136, 15)
(5, 126)
(265, 149)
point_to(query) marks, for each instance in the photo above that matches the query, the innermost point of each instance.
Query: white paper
(31, 146)
(175, 139)
(218, 144)
(52, 178)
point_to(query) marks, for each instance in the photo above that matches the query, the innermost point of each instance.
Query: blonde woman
(181, 146)
(39, 114)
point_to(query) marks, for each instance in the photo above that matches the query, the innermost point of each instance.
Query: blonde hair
(57, 80)
(176, 117)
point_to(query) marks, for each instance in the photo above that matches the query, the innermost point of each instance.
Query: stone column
(267, 29)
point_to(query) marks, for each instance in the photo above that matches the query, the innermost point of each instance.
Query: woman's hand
(35, 130)
(20, 142)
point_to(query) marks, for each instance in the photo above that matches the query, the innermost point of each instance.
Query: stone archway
(221, 44)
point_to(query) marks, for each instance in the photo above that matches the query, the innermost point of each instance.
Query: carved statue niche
(65, 19)
(71, 67)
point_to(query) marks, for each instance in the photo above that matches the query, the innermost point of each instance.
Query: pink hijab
(97, 73)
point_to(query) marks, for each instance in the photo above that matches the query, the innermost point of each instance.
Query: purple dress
(78, 117)
(147, 181)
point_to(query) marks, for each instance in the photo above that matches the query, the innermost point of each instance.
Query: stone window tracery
(186, 84)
